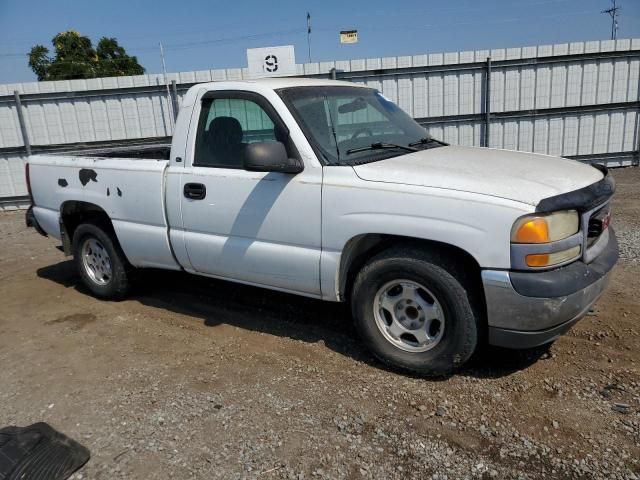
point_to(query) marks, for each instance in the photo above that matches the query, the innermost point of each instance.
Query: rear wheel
(415, 310)
(102, 266)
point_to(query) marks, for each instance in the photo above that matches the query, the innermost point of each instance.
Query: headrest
(225, 131)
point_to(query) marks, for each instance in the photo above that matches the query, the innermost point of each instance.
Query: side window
(226, 126)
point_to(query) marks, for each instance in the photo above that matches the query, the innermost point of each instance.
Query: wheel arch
(76, 212)
(359, 249)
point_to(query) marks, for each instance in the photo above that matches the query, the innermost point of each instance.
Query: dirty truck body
(329, 190)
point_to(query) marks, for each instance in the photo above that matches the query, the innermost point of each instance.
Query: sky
(210, 34)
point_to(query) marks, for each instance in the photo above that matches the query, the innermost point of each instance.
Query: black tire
(118, 285)
(448, 282)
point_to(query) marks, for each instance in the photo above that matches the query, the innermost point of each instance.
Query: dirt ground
(196, 378)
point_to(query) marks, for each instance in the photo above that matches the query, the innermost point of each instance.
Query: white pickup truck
(328, 189)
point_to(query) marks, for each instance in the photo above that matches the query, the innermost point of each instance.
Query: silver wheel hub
(409, 315)
(96, 261)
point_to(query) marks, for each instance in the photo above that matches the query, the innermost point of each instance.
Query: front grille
(595, 228)
(598, 222)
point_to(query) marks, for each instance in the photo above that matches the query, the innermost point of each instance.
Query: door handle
(195, 191)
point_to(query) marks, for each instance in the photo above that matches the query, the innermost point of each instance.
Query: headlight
(545, 240)
(545, 228)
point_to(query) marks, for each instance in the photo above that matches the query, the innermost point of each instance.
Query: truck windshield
(355, 125)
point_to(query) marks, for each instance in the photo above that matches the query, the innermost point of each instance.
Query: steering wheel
(357, 133)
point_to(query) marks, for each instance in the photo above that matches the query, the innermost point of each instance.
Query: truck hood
(519, 176)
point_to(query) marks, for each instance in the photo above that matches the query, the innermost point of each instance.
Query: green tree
(75, 57)
(113, 60)
(39, 61)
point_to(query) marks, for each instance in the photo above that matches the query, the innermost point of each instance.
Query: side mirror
(269, 157)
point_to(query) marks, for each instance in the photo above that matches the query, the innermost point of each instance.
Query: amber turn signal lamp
(534, 230)
(538, 260)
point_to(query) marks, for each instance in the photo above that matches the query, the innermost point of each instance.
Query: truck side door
(261, 228)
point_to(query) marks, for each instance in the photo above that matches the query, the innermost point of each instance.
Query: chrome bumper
(529, 309)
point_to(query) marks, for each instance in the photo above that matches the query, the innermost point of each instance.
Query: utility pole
(309, 36)
(613, 13)
(164, 74)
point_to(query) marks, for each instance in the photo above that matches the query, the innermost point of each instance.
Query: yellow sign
(349, 36)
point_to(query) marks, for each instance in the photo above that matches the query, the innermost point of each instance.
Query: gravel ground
(195, 378)
(627, 218)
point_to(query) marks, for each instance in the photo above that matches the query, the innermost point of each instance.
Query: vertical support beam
(23, 125)
(487, 103)
(636, 161)
(176, 107)
(166, 82)
(333, 74)
(309, 36)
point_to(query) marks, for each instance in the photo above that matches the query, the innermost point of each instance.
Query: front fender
(477, 224)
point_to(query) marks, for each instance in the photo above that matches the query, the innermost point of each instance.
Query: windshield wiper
(380, 146)
(426, 140)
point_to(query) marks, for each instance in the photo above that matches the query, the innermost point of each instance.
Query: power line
(448, 25)
(387, 27)
(186, 45)
(179, 46)
(186, 29)
(14, 54)
(613, 13)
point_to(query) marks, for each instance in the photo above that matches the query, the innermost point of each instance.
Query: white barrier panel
(567, 99)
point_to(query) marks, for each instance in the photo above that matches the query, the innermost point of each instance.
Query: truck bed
(140, 152)
(129, 189)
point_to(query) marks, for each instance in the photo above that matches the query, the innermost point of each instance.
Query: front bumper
(527, 309)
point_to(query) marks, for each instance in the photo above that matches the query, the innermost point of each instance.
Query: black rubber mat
(38, 452)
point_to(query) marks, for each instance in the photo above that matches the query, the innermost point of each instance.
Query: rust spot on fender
(87, 175)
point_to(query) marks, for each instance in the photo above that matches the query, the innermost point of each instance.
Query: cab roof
(288, 82)
(262, 84)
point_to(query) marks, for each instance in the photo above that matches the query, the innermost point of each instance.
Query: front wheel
(102, 266)
(415, 310)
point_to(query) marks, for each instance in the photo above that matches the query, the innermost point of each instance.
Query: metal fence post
(487, 103)
(176, 107)
(23, 125)
(636, 161)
